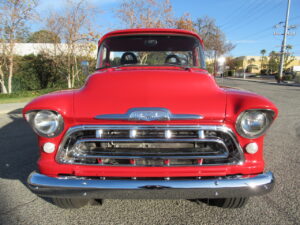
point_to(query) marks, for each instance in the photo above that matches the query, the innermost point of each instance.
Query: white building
(36, 48)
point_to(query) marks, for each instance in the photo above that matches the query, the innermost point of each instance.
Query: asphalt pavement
(18, 155)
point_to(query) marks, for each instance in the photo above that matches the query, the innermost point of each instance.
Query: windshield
(151, 50)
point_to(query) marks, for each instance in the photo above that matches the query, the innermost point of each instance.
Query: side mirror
(85, 67)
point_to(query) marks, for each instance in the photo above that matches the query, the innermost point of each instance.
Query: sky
(249, 24)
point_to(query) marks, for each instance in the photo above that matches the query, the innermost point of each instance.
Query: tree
(289, 58)
(263, 52)
(14, 14)
(3, 68)
(214, 39)
(251, 65)
(274, 59)
(235, 63)
(43, 36)
(186, 23)
(146, 13)
(154, 14)
(263, 59)
(74, 28)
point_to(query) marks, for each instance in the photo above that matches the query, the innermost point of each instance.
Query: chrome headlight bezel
(56, 117)
(268, 115)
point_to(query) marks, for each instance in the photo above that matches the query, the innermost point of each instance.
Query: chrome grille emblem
(148, 114)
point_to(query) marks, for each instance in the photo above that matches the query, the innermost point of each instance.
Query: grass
(23, 96)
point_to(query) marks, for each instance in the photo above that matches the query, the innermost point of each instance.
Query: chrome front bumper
(150, 189)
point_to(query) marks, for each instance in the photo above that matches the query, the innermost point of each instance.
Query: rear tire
(69, 203)
(229, 203)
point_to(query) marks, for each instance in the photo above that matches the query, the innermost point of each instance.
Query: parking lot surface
(18, 154)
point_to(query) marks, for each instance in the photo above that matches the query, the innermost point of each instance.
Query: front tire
(229, 203)
(69, 203)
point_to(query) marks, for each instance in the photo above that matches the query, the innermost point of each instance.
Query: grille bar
(161, 155)
(100, 145)
(100, 156)
(150, 140)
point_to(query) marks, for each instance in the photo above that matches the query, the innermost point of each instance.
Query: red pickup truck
(150, 123)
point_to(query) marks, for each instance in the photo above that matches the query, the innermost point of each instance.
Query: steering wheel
(172, 59)
(128, 58)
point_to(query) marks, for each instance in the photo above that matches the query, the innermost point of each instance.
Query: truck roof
(150, 31)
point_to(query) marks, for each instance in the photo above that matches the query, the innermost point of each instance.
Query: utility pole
(283, 46)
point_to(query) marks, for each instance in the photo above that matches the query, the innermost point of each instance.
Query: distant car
(150, 123)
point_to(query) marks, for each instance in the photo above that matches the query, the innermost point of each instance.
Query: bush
(35, 72)
(31, 73)
(285, 77)
(297, 77)
(26, 76)
(288, 77)
(264, 72)
(230, 73)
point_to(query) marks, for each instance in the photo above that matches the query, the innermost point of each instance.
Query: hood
(179, 91)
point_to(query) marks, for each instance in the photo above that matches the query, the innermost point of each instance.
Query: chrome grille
(129, 145)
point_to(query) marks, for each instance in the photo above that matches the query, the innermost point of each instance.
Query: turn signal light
(252, 148)
(49, 147)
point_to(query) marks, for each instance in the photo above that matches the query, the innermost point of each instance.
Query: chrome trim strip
(189, 188)
(166, 115)
(223, 128)
(149, 140)
(186, 156)
(183, 156)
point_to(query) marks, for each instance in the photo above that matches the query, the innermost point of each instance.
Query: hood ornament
(148, 114)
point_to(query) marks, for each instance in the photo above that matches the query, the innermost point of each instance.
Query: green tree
(274, 59)
(251, 65)
(289, 57)
(263, 52)
(263, 59)
(43, 36)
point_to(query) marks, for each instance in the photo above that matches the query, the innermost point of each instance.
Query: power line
(295, 17)
(233, 14)
(258, 33)
(250, 20)
(248, 14)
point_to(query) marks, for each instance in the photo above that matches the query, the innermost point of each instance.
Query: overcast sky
(247, 23)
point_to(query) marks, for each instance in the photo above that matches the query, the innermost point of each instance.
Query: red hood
(182, 92)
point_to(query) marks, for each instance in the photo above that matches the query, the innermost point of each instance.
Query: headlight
(46, 123)
(253, 123)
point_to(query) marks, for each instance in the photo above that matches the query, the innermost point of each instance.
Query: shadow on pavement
(18, 147)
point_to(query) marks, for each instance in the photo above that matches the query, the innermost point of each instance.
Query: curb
(266, 82)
